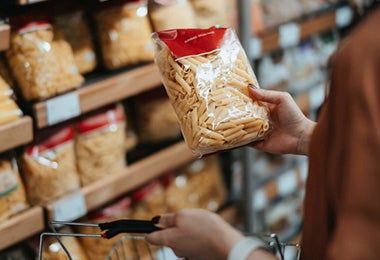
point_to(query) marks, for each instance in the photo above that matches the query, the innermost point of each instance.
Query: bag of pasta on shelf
(170, 14)
(42, 64)
(99, 145)
(155, 118)
(206, 75)
(12, 193)
(124, 32)
(210, 13)
(9, 110)
(48, 165)
(72, 23)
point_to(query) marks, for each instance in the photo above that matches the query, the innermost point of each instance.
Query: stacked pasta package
(42, 64)
(48, 166)
(12, 193)
(9, 110)
(207, 75)
(124, 33)
(99, 144)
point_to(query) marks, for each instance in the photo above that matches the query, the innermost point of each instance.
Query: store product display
(72, 22)
(99, 145)
(206, 75)
(124, 34)
(210, 13)
(153, 112)
(162, 18)
(49, 166)
(9, 110)
(12, 193)
(42, 63)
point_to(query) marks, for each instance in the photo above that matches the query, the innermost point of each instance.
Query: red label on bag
(189, 42)
(59, 137)
(94, 122)
(114, 210)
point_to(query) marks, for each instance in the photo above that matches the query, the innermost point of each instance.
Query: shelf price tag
(70, 208)
(289, 35)
(343, 16)
(63, 107)
(255, 48)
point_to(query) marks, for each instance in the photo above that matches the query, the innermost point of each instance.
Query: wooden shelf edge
(16, 133)
(318, 24)
(5, 31)
(103, 191)
(21, 226)
(110, 90)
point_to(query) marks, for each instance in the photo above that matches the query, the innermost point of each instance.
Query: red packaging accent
(93, 122)
(167, 179)
(31, 21)
(115, 210)
(142, 193)
(34, 26)
(59, 137)
(190, 42)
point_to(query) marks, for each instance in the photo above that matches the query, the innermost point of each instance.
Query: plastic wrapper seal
(124, 34)
(42, 64)
(48, 166)
(170, 14)
(99, 145)
(12, 192)
(207, 75)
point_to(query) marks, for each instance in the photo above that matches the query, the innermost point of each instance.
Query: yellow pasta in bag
(206, 74)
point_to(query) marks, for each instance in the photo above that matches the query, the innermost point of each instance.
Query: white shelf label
(343, 16)
(255, 48)
(287, 183)
(70, 208)
(289, 35)
(63, 107)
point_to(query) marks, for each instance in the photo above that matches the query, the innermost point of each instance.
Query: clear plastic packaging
(9, 110)
(72, 23)
(156, 119)
(210, 13)
(42, 64)
(48, 166)
(99, 145)
(124, 34)
(207, 75)
(170, 14)
(12, 193)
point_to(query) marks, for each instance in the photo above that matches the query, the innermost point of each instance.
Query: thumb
(269, 96)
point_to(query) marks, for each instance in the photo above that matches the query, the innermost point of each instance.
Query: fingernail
(156, 219)
(252, 86)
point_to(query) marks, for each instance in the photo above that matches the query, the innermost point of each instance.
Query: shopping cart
(141, 227)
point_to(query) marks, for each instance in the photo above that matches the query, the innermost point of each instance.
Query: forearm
(305, 137)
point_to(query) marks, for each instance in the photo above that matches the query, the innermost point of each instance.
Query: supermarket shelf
(16, 133)
(21, 226)
(28, 2)
(271, 40)
(107, 91)
(133, 176)
(5, 30)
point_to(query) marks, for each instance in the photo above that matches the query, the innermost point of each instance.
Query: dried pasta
(214, 108)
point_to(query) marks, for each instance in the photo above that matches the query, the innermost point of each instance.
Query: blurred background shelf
(16, 133)
(106, 91)
(134, 175)
(21, 226)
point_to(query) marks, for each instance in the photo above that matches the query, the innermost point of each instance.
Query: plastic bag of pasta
(12, 193)
(99, 144)
(124, 33)
(206, 75)
(71, 21)
(48, 166)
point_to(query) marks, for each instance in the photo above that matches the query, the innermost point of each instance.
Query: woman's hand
(291, 129)
(195, 234)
